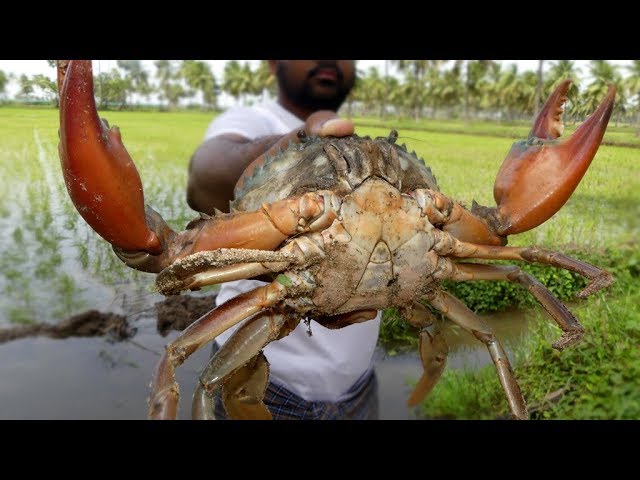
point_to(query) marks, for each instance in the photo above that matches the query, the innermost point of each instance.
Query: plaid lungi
(286, 405)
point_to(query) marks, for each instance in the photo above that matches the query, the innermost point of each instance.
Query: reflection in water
(92, 378)
(86, 378)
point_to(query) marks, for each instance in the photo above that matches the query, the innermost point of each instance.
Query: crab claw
(539, 175)
(100, 176)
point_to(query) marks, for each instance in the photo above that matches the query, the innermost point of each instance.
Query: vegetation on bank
(594, 379)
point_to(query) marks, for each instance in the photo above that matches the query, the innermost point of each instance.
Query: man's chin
(325, 91)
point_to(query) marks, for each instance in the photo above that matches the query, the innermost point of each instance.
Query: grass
(623, 135)
(595, 379)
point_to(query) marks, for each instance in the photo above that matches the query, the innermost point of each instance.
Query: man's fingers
(337, 127)
(326, 123)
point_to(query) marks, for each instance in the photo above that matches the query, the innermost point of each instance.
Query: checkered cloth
(286, 405)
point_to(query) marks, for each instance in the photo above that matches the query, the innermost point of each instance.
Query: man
(328, 374)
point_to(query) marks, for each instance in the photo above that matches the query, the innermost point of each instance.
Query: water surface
(94, 378)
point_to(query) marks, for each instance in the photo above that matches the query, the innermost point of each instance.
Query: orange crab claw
(539, 175)
(100, 176)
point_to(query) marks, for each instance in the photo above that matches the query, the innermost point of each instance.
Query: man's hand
(219, 162)
(324, 123)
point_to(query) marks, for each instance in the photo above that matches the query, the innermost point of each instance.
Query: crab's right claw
(100, 176)
(539, 175)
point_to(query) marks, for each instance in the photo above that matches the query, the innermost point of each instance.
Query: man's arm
(219, 162)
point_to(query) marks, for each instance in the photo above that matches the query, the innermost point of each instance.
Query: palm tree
(262, 81)
(447, 89)
(491, 93)
(474, 73)
(48, 86)
(372, 89)
(169, 78)
(394, 95)
(136, 76)
(528, 84)
(198, 76)
(536, 102)
(4, 80)
(604, 74)
(633, 88)
(506, 90)
(237, 79)
(415, 71)
(26, 86)
(113, 89)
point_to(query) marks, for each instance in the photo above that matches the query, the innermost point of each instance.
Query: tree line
(489, 89)
(173, 81)
(425, 88)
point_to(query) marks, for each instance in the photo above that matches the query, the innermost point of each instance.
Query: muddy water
(93, 378)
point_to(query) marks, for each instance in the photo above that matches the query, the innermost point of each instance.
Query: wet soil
(174, 313)
(179, 311)
(91, 323)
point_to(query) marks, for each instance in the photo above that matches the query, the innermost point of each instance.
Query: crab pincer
(100, 176)
(538, 175)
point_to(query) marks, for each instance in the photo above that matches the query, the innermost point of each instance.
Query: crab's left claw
(539, 175)
(101, 178)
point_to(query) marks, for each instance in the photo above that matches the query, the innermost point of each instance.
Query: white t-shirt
(323, 366)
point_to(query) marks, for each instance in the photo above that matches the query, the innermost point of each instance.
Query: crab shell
(336, 164)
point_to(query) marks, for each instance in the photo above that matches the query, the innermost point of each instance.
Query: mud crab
(343, 227)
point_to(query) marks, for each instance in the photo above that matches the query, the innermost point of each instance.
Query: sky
(32, 67)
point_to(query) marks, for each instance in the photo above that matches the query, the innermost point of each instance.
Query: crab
(341, 228)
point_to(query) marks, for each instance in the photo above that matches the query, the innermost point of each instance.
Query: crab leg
(243, 392)
(599, 278)
(433, 351)
(537, 177)
(457, 312)
(243, 346)
(227, 264)
(163, 401)
(573, 330)
(448, 245)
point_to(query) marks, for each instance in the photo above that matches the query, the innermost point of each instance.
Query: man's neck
(300, 112)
